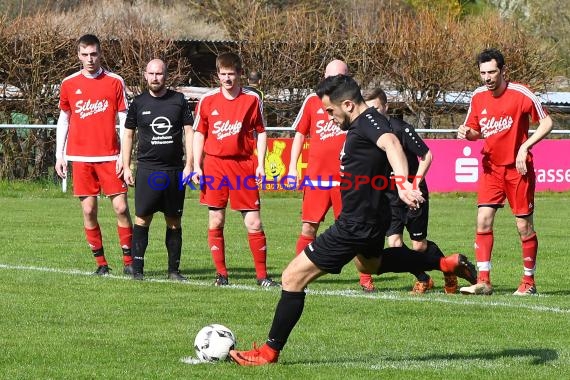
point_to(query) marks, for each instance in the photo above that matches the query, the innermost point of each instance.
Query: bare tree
(33, 54)
(36, 53)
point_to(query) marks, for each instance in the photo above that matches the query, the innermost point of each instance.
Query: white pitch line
(390, 296)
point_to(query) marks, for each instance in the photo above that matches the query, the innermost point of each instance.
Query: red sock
(483, 248)
(529, 252)
(365, 278)
(95, 241)
(217, 248)
(258, 247)
(125, 239)
(302, 242)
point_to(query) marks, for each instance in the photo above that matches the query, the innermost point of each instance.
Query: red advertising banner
(456, 165)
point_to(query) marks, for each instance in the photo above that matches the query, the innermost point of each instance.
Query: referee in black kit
(164, 121)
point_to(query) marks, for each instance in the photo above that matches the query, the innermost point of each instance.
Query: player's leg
(173, 243)
(147, 199)
(124, 229)
(116, 189)
(215, 196)
(140, 243)
(520, 193)
(258, 246)
(491, 196)
(245, 198)
(216, 242)
(307, 236)
(89, 207)
(417, 225)
(403, 259)
(86, 187)
(173, 205)
(298, 274)
(327, 254)
(529, 242)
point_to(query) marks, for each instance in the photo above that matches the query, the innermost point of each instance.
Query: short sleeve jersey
(414, 147)
(503, 121)
(326, 139)
(229, 125)
(159, 122)
(362, 201)
(93, 104)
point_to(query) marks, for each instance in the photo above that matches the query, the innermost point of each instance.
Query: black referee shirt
(160, 126)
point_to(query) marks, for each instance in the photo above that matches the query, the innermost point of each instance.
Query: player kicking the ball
(358, 234)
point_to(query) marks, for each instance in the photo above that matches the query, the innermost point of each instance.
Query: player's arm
(61, 138)
(261, 151)
(415, 144)
(126, 153)
(296, 149)
(424, 165)
(543, 129)
(397, 159)
(188, 147)
(122, 120)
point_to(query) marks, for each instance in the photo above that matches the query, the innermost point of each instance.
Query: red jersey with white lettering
(503, 121)
(326, 139)
(229, 125)
(93, 104)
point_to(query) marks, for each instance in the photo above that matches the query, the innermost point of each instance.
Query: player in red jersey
(326, 139)
(228, 120)
(89, 102)
(500, 112)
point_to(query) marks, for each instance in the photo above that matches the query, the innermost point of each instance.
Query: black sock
(403, 259)
(287, 314)
(127, 252)
(138, 249)
(422, 276)
(431, 248)
(173, 242)
(98, 252)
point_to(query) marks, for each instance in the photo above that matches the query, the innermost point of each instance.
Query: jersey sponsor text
(224, 129)
(88, 108)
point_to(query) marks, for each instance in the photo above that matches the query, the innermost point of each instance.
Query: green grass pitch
(59, 322)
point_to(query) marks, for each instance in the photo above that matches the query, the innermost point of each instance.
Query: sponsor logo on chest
(493, 125)
(86, 108)
(223, 129)
(327, 129)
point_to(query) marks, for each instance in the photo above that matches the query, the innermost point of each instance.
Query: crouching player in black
(358, 234)
(164, 124)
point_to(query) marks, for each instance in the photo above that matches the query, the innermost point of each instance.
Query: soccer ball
(214, 342)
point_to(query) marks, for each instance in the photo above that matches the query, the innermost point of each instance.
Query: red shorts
(89, 178)
(317, 202)
(505, 182)
(229, 178)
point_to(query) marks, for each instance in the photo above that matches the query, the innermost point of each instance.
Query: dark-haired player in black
(164, 124)
(414, 220)
(358, 234)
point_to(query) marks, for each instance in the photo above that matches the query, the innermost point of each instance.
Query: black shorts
(342, 241)
(415, 221)
(159, 190)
